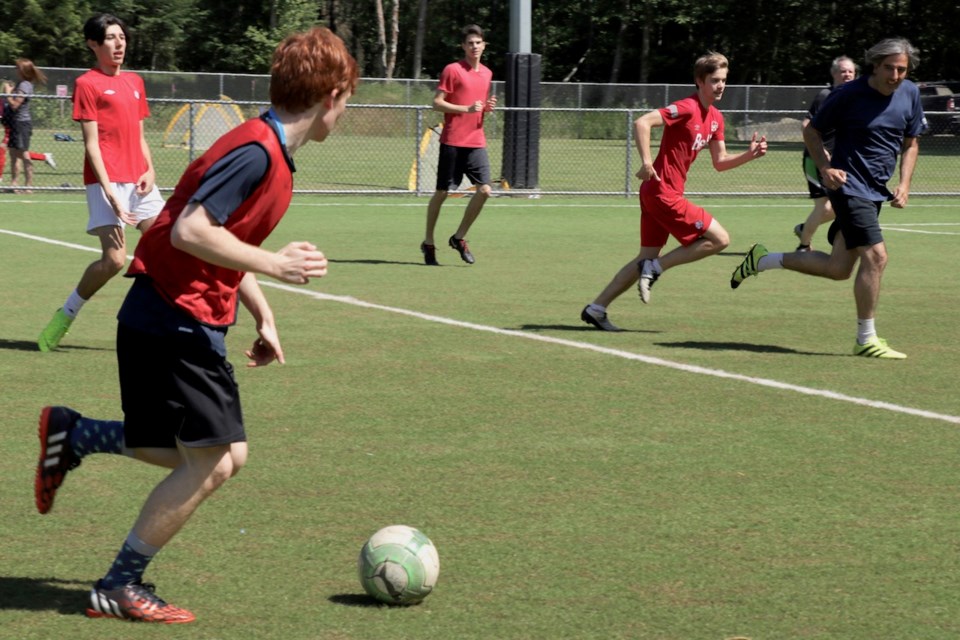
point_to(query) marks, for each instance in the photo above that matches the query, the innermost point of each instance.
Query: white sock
(73, 304)
(865, 330)
(770, 261)
(596, 309)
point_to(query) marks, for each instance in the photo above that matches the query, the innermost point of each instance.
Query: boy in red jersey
(110, 106)
(463, 96)
(180, 400)
(689, 125)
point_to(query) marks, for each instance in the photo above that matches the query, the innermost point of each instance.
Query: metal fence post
(629, 162)
(416, 149)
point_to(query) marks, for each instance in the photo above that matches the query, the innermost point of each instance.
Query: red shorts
(665, 214)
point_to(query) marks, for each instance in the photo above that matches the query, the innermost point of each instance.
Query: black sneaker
(136, 602)
(798, 230)
(56, 455)
(461, 246)
(429, 252)
(599, 321)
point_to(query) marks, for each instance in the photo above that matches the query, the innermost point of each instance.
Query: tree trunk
(381, 39)
(418, 45)
(391, 62)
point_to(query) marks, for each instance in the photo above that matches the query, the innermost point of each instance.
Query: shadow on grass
(740, 346)
(31, 345)
(356, 600)
(68, 597)
(580, 328)
(375, 261)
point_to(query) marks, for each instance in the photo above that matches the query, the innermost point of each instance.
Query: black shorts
(857, 218)
(20, 133)
(814, 181)
(172, 389)
(456, 162)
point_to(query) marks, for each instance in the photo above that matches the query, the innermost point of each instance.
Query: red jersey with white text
(117, 104)
(463, 85)
(688, 127)
(205, 291)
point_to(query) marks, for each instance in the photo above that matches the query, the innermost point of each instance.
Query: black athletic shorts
(20, 133)
(174, 388)
(857, 218)
(456, 162)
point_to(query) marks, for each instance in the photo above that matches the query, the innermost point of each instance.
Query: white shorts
(102, 215)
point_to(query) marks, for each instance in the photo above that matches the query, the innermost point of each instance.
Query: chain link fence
(385, 146)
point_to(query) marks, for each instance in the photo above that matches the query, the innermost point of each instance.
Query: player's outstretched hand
(300, 261)
(758, 147)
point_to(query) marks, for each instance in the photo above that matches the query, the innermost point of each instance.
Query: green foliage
(786, 42)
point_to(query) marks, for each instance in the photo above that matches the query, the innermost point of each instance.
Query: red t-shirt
(117, 104)
(464, 86)
(688, 127)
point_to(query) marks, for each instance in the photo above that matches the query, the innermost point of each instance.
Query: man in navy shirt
(876, 117)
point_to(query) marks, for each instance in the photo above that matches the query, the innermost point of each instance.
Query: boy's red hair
(309, 65)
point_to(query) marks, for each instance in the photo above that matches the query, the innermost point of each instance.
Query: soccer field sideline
(627, 355)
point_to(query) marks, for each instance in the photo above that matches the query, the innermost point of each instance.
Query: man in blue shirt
(875, 117)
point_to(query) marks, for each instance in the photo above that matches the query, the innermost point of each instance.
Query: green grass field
(722, 469)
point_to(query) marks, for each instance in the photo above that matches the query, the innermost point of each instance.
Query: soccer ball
(398, 565)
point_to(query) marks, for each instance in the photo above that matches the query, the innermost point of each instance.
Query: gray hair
(892, 47)
(835, 65)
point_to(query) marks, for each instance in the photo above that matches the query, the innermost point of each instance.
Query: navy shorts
(174, 389)
(857, 218)
(456, 162)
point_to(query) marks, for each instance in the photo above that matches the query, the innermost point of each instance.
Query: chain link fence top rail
(585, 145)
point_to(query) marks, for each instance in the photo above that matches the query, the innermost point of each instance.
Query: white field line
(586, 346)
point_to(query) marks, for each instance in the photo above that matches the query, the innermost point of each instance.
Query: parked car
(939, 105)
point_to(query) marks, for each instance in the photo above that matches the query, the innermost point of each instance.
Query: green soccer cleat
(877, 348)
(749, 265)
(54, 331)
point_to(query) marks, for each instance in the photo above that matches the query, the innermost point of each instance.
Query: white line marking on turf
(627, 355)
(660, 362)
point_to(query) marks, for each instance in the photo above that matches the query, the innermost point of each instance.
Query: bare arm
(266, 348)
(723, 161)
(149, 178)
(441, 104)
(908, 160)
(832, 178)
(196, 232)
(642, 127)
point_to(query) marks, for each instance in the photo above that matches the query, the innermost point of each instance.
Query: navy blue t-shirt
(869, 128)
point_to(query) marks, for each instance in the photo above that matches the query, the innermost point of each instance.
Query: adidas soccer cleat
(136, 602)
(460, 245)
(56, 456)
(877, 348)
(748, 267)
(599, 321)
(647, 277)
(53, 333)
(48, 158)
(429, 252)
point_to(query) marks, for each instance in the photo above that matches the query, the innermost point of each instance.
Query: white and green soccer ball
(398, 565)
